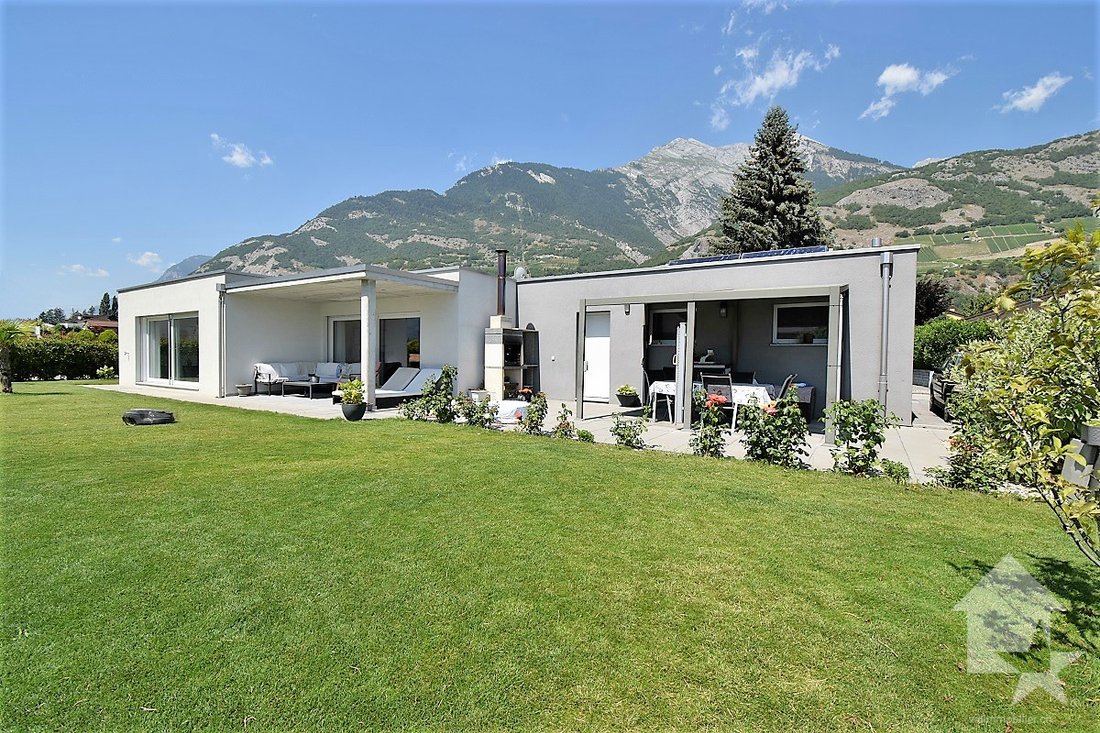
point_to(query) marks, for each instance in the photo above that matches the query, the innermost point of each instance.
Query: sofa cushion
(265, 372)
(329, 370)
(352, 370)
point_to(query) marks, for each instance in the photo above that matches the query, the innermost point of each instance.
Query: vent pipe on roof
(502, 278)
(876, 242)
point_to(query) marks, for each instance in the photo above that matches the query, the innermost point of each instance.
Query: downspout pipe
(886, 272)
(222, 377)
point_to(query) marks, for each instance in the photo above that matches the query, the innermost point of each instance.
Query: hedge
(936, 340)
(61, 357)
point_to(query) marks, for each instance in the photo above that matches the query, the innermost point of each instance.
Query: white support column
(582, 317)
(368, 345)
(835, 352)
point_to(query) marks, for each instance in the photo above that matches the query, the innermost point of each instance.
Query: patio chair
(786, 385)
(394, 386)
(720, 384)
(743, 377)
(389, 395)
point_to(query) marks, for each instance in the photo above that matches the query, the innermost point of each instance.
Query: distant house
(99, 325)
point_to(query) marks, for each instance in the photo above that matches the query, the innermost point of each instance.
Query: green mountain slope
(552, 219)
(979, 205)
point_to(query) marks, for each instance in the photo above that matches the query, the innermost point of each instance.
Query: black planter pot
(628, 400)
(353, 412)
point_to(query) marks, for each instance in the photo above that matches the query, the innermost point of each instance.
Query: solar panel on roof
(753, 255)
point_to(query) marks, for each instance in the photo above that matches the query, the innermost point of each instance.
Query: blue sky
(136, 135)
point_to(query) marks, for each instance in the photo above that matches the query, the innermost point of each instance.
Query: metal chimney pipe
(502, 278)
(876, 241)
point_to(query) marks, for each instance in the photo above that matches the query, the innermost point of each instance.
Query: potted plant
(351, 400)
(628, 396)
(1090, 431)
(244, 390)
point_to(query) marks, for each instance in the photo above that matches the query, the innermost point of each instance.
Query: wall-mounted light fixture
(722, 311)
(626, 308)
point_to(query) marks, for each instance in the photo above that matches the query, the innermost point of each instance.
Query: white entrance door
(597, 357)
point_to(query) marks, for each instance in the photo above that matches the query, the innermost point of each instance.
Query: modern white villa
(838, 323)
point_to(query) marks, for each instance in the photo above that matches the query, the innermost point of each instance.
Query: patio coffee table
(309, 387)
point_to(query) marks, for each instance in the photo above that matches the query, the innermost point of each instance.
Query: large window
(171, 349)
(398, 340)
(800, 323)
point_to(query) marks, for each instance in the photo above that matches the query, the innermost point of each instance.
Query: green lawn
(248, 571)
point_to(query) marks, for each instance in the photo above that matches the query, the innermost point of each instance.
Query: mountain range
(665, 204)
(552, 219)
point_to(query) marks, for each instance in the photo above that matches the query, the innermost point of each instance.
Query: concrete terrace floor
(922, 445)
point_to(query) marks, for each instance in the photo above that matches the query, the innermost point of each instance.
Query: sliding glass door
(171, 353)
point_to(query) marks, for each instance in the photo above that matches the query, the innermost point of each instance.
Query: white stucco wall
(199, 295)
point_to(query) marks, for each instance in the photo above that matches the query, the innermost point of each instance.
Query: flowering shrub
(776, 432)
(709, 436)
(859, 430)
(586, 436)
(106, 372)
(565, 427)
(476, 413)
(437, 399)
(628, 431)
(532, 420)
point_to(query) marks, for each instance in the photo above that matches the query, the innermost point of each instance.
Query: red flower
(770, 408)
(716, 400)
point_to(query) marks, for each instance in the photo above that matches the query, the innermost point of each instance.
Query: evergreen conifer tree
(772, 205)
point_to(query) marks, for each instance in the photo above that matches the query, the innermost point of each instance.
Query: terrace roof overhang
(344, 284)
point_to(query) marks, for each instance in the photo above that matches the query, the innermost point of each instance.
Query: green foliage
(932, 299)
(709, 436)
(775, 433)
(971, 466)
(106, 372)
(68, 357)
(938, 339)
(858, 222)
(859, 430)
(772, 205)
(351, 392)
(586, 436)
(628, 431)
(895, 471)
(476, 413)
(564, 428)
(904, 216)
(627, 390)
(533, 419)
(1023, 395)
(974, 303)
(108, 337)
(437, 401)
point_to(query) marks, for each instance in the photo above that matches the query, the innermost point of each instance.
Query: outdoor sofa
(280, 372)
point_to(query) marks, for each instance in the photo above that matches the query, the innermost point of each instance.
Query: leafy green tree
(1023, 395)
(772, 205)
(105, 305)
(53, 316)
(10, 333)
(932, 298)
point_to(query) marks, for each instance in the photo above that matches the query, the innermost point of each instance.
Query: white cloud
(85, 271)
(730, 25)
(116, 240)
(832, 52)
(717, 70)
(496, 159)
(748, 54)
(901, 78)
(239, 155)
(767, 7)
(1032, 98)
(462, 164)
(148, 260)
(719, 118)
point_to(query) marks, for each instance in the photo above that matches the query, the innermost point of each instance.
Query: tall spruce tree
(105, 305)
(772, 205)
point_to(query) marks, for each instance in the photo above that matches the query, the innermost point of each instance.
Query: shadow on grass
(1078, 587)
(17, 393)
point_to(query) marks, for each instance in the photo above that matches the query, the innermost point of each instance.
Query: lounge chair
(405, 384)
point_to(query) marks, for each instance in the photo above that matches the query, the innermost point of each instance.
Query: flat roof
(707, 262)
(185, 278)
